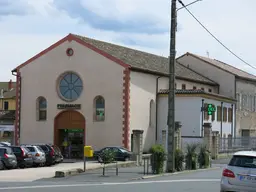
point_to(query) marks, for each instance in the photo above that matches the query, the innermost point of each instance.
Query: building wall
(143, 91)
(188, 112)
(224, 79)
(11, 103)
(246, 106)
(100, 76)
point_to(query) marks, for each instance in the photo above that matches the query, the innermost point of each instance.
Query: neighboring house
(7, 110)
(7, 101)
(233, 83)
(95, 91)
(188, 110)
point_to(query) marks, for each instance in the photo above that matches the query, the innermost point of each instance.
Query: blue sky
(29, 26)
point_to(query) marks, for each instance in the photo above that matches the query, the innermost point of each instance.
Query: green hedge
(157, 159)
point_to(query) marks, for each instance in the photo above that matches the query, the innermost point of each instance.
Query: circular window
(70, 52)
(70, 86)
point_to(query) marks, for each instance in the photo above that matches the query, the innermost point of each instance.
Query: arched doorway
(70, 126)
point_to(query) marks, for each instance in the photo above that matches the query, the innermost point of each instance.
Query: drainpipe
(232, 121)
(221, 119)
(156, 133)
(202, 119)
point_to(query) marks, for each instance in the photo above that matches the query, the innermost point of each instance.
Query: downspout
(232, 120)
(221, 121)
(156, 131)
(235, 111)
(202, 119)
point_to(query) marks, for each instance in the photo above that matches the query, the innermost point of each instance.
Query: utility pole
(171, 95)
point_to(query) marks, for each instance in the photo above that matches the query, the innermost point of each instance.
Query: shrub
(157, 159)
(203, 157)
(107, 156)
(179, 159)
(191, 156)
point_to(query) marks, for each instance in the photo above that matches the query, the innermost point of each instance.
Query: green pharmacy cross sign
(210, 109)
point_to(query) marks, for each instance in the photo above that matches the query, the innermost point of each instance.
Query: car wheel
(126, 159)
(22, 166)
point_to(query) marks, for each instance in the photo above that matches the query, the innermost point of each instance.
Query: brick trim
(126, 108)
(17, 112)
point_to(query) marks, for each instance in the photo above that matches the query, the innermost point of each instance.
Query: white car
(240, 173)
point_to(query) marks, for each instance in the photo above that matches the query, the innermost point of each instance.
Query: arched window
(99, 108)
(151, 113)
(41, 105)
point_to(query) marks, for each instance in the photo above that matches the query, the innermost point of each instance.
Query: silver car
(240, 173)
(38, 154)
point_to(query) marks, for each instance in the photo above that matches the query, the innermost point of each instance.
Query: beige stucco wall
(143, 90)
(246, 115)
(100, 76)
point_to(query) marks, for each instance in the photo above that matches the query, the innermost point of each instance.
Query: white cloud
(22, 37)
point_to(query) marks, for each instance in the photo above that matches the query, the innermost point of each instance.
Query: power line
(202, 25)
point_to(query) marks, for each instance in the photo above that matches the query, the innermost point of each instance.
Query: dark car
(23, 155)
(1, 165)
(58, 155)
(50, 153)
(121, 154)
(8, 158)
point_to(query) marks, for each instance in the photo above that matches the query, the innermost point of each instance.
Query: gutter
(156, 121)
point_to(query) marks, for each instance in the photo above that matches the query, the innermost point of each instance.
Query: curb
(77, 171)
(176, 173)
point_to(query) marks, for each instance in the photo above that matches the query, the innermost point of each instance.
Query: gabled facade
(95, 91)
(233, 83)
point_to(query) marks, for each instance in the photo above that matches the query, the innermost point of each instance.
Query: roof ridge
(119, 45)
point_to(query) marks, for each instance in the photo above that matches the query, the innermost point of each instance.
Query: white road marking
(108, 184)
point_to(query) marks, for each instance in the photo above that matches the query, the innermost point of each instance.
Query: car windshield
(32, 149)
(243, 161)
(124, 150)
(44, 147)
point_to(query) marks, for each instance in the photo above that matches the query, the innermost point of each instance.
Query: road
(193, 182)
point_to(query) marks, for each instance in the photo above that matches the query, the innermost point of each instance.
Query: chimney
(10, 85)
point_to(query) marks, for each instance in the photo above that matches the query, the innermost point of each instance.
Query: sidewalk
(31, 174)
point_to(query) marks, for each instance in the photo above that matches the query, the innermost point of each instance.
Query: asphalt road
(193, 182)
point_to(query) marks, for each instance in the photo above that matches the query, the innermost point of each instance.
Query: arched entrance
(70, 126)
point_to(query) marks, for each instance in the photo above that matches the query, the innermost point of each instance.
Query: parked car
(37, 153)
(240, 173)
(24, 157)
(8, 158)
(1, 165)
(5, 144)
(121, 154)
(58, 155)
(49, 153)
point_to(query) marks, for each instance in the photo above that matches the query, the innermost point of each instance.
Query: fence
(231, 145)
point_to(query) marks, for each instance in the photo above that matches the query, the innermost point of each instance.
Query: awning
(6, 127)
